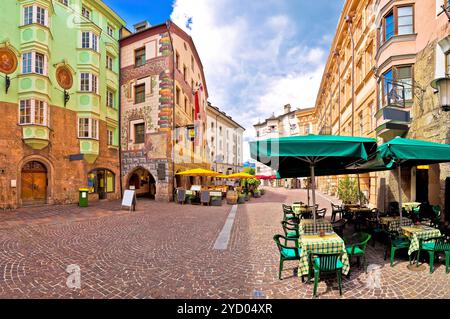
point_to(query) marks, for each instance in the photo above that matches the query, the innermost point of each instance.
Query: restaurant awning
(199, 172)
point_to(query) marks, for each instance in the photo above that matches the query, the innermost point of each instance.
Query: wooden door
(34, 183)
(27, 187)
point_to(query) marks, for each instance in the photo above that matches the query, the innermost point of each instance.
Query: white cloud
(253, 61)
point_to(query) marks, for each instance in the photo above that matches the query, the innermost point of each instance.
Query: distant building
(283, 125)
(225, 141)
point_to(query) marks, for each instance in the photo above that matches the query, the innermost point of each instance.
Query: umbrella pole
(308, 187)
(313, 185)
(400, 204)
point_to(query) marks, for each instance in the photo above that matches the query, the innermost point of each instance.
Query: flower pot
(216, 201)
(241, 200)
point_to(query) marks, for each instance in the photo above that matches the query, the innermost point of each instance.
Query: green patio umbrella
(407, 152)
(296, 155)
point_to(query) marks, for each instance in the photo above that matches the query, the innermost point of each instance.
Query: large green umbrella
(314, 152)
(406, 152)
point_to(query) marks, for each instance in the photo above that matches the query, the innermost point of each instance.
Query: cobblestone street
(167, 251)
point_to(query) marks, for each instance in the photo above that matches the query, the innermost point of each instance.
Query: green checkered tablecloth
(329, 244)
(417, 233)
(393, 223)
(307, 226)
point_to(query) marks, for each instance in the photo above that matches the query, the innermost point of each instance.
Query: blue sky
(257, 55)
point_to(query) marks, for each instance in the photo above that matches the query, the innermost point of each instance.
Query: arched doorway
(34, 183)
(143, 182)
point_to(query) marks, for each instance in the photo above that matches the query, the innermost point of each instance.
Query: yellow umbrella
(199, 172)
(240, 176)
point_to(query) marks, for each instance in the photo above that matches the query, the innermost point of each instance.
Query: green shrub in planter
(247, 197)
(189, 199)
(216, 201)
(262, 191)
(241, 198)
(256, 194)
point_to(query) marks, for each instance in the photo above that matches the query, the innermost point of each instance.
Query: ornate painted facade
(59, 101)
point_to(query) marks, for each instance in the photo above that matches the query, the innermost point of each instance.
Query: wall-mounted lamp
(442, 86)
(66, 97)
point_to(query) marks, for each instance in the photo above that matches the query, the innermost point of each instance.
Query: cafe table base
(413, 267)
(328, 244)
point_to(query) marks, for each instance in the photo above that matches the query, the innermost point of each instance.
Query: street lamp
(442, 85)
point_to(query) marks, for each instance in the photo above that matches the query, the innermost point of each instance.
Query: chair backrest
(287, 208)
(440, 243)
(281, 247)
(335, 208)
(360, 241)
(437, 210)
(289, 227)
(328, 262)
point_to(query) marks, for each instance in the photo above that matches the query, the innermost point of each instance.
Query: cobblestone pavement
(166, 251)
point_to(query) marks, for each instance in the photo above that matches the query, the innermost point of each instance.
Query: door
(34, 183)
(422, 185)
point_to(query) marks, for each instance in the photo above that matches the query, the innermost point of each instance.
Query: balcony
(393, 118)
(90, 149)
(36, 136)
(34, 36)
(34, 83)
(88, 102)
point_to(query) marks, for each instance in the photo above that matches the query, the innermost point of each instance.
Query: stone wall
(65, 177)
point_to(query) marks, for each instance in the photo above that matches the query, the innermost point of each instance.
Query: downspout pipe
(120, 119)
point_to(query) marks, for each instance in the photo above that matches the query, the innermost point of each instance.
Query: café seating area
(331, 244)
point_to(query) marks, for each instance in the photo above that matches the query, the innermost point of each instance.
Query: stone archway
(143, 182)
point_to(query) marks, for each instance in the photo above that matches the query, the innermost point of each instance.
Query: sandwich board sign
(129, 200)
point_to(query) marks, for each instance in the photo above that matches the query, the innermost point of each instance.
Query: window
(307, 129)
(27, 63)
(40, 15)
(64, 2)
(139, 133)
(35, 14)
(186, 104)
(28, 15)
(85, 12)
(405, 20)
(192, 64)
(33, 112)
(88, 83)
(399, 21)
(109, 98)
(89, 40)
(392, 83)
(185, 73)
(33, 62)
(39, 63)
(139, 93)
(110, 136)
(177, 60)
(447, 64)
(110, 30)
(178, 93)
(404, 76)
(25, 112)
(109, 62)
(88, 128)
(139, 57)
(100, 181)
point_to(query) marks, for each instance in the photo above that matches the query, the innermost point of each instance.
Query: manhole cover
(414, 267)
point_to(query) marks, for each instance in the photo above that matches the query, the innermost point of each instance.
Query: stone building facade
(163, 109)
(59, 128)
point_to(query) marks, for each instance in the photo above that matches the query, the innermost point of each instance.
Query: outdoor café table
(307, 226)
(410, 206)
(359, 210)
(331, 243)
(415, 233)
(393, 223)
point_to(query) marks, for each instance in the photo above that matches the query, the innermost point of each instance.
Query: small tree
(348, 191)
(249, 170)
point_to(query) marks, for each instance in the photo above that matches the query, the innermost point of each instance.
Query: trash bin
(83, 199)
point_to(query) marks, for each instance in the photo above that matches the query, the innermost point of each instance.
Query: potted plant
(247, 196)
(241, 198)
(262, 191)
(189, 199)
(216, 201)
(256, 194)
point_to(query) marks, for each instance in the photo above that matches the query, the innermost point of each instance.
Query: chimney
(141, 26)
(287, 108)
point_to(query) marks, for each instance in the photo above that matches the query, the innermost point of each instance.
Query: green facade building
(59, 101)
